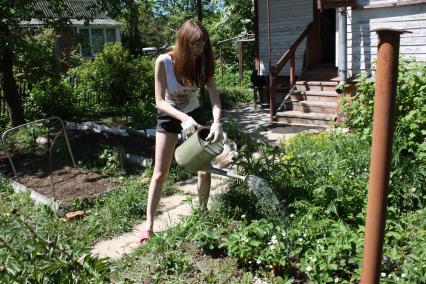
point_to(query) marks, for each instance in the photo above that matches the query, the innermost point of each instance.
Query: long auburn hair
(187, 70)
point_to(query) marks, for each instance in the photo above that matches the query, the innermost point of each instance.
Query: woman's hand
(216, 132)
(189, 126)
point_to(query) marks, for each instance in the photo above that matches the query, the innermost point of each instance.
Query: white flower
(274, 240)
(336, 280)
(272, 247)
(300, 240)
(383, 274)
(309, 268)
(283, 234)
(243, 216)
(304, 235)
(258, 261)
(403, 275)
(244, 239)
(291, 215)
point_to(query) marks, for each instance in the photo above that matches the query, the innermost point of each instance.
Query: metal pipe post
(383, 128)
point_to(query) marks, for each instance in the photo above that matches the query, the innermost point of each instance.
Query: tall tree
(15, 15)
(127, 11)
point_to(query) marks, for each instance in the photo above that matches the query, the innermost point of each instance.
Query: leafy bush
(113, 81)
(231, 76)
(35, 60)
(410, 107)
(230, 97)
(42, 253)
(50, 97)
(322, 179)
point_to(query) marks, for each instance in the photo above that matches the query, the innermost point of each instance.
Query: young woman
(178, 78)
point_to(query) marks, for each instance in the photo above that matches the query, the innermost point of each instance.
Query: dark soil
(33, 166)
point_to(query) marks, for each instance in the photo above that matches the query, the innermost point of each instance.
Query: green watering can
(195, 154)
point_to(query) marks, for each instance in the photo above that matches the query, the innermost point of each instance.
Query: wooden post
(199, 11)
(240, 59)
(292, 68)
(221, 61)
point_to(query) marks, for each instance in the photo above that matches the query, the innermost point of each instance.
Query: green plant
(112, 159)
(115, 81)
(259, 244)
(50, 97)
(38, 257)
(410, 107)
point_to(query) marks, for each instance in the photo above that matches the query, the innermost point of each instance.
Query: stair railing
(290, 54)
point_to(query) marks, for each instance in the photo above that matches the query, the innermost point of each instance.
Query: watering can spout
(224, 173)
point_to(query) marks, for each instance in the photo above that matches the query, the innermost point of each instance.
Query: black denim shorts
(168, 124)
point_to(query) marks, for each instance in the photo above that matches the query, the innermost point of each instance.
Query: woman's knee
(159, 177)
(203, 174)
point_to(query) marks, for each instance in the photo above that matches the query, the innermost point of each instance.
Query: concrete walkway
(256, 123)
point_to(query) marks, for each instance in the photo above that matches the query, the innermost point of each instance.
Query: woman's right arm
(160, 92)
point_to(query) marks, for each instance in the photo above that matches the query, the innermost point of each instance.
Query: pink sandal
(145, 236)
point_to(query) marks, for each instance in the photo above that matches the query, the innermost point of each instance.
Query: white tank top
(183, 98)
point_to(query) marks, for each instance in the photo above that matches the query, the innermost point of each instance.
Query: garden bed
(93, 152)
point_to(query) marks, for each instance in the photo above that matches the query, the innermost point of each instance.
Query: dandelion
(309, 268)
(383, 274)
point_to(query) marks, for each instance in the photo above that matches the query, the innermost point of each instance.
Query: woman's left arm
(215, 100)
(216, 131)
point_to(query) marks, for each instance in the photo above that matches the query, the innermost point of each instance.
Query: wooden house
(306, 47)
(89, 28)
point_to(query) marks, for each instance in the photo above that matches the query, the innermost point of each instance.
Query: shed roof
(78, 11)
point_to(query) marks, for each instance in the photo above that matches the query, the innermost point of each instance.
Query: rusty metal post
(383, 128)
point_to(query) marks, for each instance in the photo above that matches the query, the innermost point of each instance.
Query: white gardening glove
(189, 126)
(216, 133)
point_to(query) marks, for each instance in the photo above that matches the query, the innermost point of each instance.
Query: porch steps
(310, 103)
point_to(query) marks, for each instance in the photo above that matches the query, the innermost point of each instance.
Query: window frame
(89, 28)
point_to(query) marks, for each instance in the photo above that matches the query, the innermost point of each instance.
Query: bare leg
(203, 187)
(164, 147)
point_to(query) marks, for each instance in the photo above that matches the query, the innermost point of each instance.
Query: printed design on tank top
(182, 97)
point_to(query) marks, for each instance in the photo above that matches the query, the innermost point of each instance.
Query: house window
(85, 42)
(94, 39)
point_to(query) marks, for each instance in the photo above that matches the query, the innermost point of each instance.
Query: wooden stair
(310, 103)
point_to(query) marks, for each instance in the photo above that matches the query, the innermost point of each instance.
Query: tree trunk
(10, 88)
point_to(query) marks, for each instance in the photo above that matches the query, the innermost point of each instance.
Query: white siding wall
(362, 45)
(288, 20)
